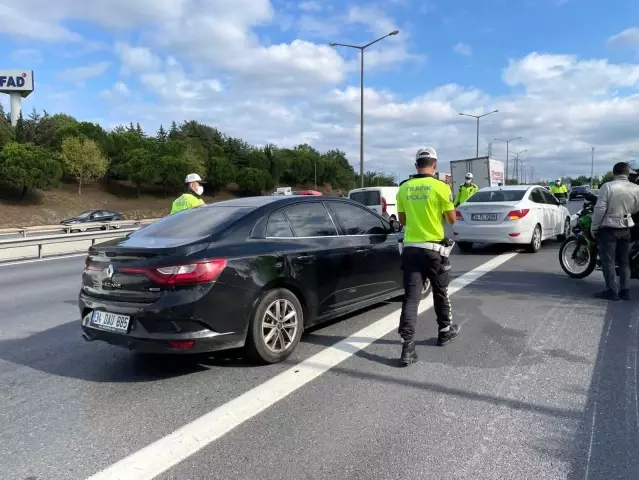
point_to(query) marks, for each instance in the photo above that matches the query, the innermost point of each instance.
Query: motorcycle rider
(466, 190)
(617, 201)
(558, 189)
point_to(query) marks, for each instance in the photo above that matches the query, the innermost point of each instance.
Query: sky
(564, 74)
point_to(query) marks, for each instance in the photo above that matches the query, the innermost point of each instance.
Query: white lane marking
(46, 259)
(170, 450)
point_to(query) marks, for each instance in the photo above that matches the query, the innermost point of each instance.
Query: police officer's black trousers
(419, 264)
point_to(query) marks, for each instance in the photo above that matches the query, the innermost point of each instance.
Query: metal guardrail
(67, 229)
(112, 228)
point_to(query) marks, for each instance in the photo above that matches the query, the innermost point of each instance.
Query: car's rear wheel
(465, 247)
(566, 231)
(276, 326)
(535, 241)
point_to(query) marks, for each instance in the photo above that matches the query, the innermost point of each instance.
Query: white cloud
(28, 56)
(84, 73)
(463, 49)
(627, 38)
(310, 6)
(210, 61)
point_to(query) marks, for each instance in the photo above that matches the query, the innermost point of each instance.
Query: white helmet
(193, 177)
(469, 177)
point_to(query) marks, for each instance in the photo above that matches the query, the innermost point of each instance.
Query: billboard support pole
(16, 106)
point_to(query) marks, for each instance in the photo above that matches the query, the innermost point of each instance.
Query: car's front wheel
(276, 326)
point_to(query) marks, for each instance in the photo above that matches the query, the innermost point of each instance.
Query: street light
(361, 48)
(477, 117)
(517, 163)
(507, 146)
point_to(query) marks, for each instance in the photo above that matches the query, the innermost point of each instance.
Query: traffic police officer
(466, 190)
(192, 197)
(558, 189)
(422, 204)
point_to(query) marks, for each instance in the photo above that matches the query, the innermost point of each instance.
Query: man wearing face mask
(466, 190)
(192, 197)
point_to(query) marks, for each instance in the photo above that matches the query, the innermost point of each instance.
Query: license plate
(484, 217)
(110, 321)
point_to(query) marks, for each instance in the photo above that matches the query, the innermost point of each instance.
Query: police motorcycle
(446, 248)
(579, 253)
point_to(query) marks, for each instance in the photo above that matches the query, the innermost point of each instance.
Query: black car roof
(254, 202)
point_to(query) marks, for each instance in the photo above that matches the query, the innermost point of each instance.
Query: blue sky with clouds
(564, 74)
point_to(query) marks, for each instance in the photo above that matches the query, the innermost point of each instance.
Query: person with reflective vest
(559, 189)
(192, 197)
(423, 203)
(466, 190)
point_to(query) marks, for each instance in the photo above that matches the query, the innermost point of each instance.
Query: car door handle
(363, 250)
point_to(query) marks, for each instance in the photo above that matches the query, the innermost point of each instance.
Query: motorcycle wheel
(587, 262)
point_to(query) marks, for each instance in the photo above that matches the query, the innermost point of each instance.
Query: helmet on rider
(468, 178)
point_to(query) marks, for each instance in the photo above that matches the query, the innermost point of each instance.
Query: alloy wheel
(279, 325)
(537, 238)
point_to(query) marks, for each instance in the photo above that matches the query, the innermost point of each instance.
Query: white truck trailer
(487, 172)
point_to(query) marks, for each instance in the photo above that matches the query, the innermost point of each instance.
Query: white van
(382, 200)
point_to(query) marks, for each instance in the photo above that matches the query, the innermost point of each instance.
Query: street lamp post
(507, 152)
(517, 164)
(361, 49)
(477, 117)
(592, 164)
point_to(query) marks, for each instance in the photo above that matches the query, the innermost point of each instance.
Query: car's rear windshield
(498, 196)
(580, 189)
(366, 198)
(192, 224)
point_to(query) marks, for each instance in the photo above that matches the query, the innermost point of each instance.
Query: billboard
(16, 81)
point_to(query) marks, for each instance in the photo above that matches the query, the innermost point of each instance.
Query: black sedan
(92, 216)
(578, 192)
(252, 272)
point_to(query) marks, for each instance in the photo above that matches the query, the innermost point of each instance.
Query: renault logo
(110, 272)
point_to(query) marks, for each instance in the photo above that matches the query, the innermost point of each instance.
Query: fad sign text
(16, 80)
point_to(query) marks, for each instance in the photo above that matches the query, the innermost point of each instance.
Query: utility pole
(517, 166)
(507, 152)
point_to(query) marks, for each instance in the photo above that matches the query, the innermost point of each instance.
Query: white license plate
(484, 217)
(110, 321)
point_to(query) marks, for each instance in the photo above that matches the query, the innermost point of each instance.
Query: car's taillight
(188, 274)
(458, 215)
(384, 205)
(517, 214)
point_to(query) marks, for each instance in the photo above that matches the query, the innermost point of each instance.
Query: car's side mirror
(396, 226)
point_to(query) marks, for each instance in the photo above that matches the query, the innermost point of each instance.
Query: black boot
(446, 336)
(607, 295)
(409, 355)
(624, 295)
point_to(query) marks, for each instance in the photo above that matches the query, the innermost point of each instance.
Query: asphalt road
(542, 384)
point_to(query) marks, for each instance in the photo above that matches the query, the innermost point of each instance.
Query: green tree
(29, 166)
(219, 170)
(252, 181)
(139, 167)
(172, 170)
(162, 136)
(83, 159)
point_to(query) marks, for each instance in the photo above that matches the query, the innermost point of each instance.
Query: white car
(381, 200)
(516, 214)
